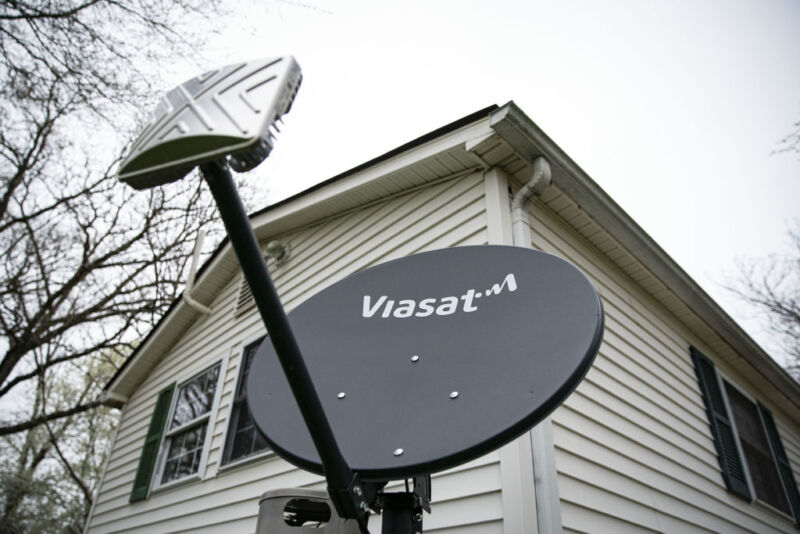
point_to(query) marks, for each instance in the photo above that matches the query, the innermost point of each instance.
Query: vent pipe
(187, 290)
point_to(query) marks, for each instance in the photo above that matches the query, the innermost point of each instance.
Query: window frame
(207, 418)
(723, 380)
(225, 463)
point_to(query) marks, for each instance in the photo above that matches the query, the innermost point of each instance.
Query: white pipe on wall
(187, 290)
(520, 224)
(548, 503)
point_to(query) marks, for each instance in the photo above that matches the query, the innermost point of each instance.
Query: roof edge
(530, 141)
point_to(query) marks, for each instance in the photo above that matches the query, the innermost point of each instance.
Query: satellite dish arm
(344, 487)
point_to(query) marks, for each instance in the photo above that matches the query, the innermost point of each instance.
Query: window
(244, 439)
(764, 477)
(751, 456)
(186, 431)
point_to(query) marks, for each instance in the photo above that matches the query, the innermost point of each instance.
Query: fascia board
(529, 141)
(308, 207)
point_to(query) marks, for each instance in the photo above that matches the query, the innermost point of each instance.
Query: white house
(683, 424)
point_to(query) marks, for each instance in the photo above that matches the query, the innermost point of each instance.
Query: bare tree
(791, 143)
(87, 265)
(56, 466)
(772, 285)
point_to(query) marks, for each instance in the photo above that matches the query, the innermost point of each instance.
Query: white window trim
(209, 418)
(239, 462)
(724, 379)
(253, 457)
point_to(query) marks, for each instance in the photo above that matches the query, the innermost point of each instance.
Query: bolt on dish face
(230, 111)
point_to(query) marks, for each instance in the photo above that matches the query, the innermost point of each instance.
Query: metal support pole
(342, 482)
(401, 514)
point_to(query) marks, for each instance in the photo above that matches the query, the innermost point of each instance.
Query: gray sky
(673, 107)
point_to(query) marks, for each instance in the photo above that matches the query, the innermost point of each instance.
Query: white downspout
(520, 224)
(187, 290)
(548, 504)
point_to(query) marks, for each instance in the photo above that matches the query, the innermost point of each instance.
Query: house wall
(468, 499)
(634, 452)
(633, 446)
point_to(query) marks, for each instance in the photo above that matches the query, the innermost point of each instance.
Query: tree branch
(60, 414)
(27, 12)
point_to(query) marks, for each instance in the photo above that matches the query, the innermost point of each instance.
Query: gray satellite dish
(429, 361)
(228, 111)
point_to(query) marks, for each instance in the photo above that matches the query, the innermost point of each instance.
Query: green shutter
(730, 462)
(147, 461)
(784, 468)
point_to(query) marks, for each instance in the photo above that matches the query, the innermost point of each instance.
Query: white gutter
(548, 502)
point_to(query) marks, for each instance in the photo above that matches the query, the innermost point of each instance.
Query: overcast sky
(674, 107)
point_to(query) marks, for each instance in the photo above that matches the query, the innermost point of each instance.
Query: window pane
(247, 361)
(195, 397)
(247, 440)
(763, 472)
(244, 438)
(183, 454)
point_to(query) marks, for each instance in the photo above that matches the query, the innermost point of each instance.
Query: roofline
(530, 141)
(448, 128)
(453, 126)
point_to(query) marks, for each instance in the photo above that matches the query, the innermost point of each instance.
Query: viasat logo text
(384, 307)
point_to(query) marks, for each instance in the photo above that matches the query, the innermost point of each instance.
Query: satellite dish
(223, 112)
(429, 361)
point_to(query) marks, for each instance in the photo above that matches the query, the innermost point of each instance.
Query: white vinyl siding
(467, 499)
(634, 451)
